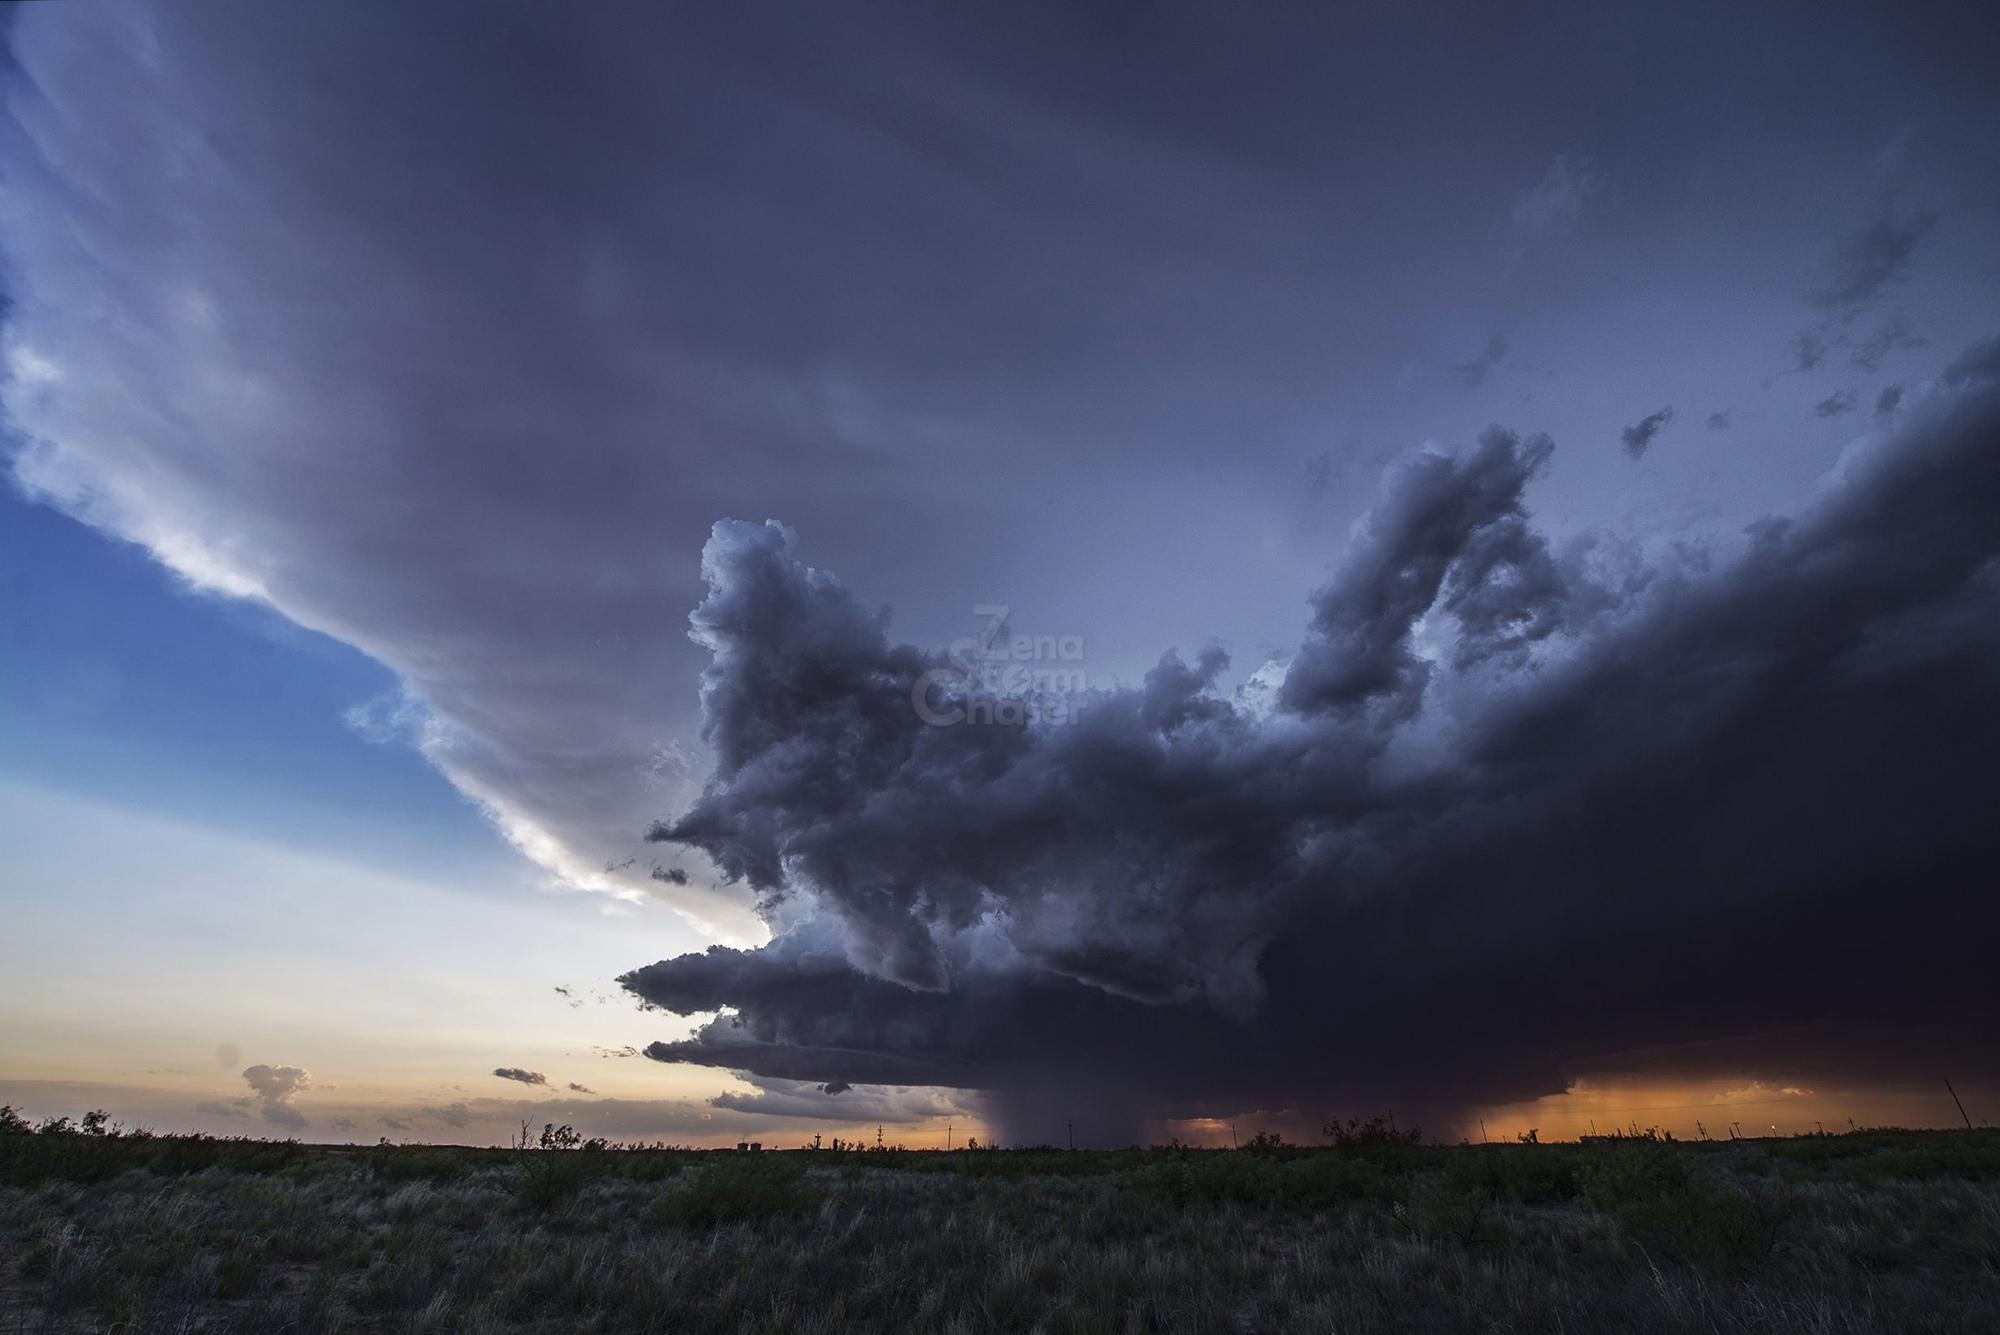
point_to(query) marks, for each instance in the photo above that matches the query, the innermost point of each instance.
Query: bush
(1669, 1208)
(1537, 1175)
(1375, 1133)
(1304, 1185)
(737, 1190)
(96, 1150)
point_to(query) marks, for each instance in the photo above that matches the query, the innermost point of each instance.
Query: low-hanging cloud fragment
(1809, 349)
(1637, 437)
(516, 1073)
(1504, 815)
(772, 1097)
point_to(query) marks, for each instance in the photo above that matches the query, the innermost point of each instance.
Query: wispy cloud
(1474, 373)
(1553, 206)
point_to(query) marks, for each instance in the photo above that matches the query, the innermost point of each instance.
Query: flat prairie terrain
(1873, 1231)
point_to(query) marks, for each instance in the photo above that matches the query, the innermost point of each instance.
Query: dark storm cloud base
(1613, 804)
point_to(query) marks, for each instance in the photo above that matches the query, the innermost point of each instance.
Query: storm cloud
(338, 312)
(1496, 817)
(448, 331)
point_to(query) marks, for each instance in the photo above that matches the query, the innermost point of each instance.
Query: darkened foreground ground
(1885, 1230)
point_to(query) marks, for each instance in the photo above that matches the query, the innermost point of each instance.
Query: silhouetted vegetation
(1881, 1230)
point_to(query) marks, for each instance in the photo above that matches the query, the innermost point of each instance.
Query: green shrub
(1670, 1208)
(1527, 1174)
(736, 1190)
(1305, 1184)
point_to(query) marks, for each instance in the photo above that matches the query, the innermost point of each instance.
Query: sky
(735, 574)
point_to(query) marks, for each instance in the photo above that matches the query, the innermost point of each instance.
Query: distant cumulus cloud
(1888, 399)
(1833, 405)
(575, 1088)
(451, 1114)
(1501, 773)
(275, 1088)
(523, 1076)
(1719, 419)
(1637, 437)
(237, 1107)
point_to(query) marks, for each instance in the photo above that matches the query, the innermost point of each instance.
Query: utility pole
(1954, 1098)
(1069, 1126)
(947, 1137)
(1483, 1139)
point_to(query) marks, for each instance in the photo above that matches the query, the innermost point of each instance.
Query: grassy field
(1873, 1231)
